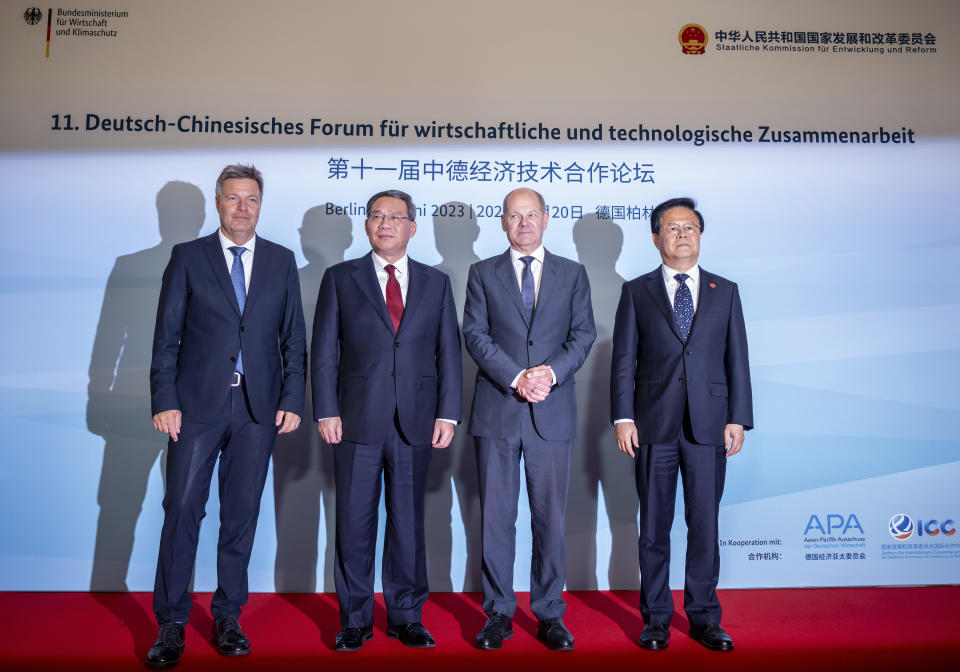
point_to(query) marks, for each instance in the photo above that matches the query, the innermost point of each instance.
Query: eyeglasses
(674, 229)
(394, 218)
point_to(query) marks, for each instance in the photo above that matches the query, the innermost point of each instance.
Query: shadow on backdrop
(303, 484)
(455, 231)
(118, 403)
(597, 466)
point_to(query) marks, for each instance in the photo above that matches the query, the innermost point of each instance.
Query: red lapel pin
(713, 285)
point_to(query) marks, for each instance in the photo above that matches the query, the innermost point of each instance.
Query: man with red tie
(386, 373)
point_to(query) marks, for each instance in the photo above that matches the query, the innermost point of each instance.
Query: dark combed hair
(682, 202)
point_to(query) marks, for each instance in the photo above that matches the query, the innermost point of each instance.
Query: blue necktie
(683, 305)
(527, 290)
(239, 287)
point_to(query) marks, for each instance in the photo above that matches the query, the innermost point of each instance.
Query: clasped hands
(535, 383)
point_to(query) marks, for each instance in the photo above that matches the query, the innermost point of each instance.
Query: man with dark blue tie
(386, 373)
(228, 370)
(528, 324)
(681, 401)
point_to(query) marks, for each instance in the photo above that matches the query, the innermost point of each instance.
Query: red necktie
(394, 298)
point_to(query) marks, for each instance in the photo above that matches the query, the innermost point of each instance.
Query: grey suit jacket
(504, 342)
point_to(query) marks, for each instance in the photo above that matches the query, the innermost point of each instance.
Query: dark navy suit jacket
(504, 342)
(200, 330)
(363, 371)
(655, 376)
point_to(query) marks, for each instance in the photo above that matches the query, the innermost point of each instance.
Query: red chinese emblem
(693, 38)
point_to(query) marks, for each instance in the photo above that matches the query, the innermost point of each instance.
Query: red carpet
(774, 630)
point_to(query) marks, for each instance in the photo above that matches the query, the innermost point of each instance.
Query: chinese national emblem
(693, 38)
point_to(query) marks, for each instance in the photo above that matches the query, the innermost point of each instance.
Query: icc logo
(33, 15)
(693, 38)
(902, 527)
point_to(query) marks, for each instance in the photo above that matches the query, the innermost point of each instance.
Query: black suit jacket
(200, 330)
(363, 371)
(655, 376)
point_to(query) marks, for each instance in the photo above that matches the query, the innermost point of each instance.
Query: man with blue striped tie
(228, 373)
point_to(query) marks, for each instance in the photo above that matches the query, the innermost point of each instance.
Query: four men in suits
(387, 376)
(528, 324)
(227, 376)
(681, 400)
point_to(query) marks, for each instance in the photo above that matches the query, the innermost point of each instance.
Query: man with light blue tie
(528, 324)
(228, 374)
(681, 400)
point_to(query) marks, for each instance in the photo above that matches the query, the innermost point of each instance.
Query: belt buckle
(237, 379)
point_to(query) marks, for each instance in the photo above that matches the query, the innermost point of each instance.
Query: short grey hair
(238, 171)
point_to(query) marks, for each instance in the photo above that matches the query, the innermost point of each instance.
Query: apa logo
(693, 38)
(902, 527)
(836, 523)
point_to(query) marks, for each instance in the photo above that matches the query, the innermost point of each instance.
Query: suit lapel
(214, 253)
(548, 280)
(416, 286)
(366, 278)
(508, 278)
(262, 259)
(658, 292)
(704, 298)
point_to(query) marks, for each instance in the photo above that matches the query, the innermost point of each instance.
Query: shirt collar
(379, 263)
(536, 254)
(693, 273)
(226, 243)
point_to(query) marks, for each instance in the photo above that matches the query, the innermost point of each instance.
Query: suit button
(242, 328)
(233, 359)
(689, 352)
(681, 379)
(529, 342)
(396, 345)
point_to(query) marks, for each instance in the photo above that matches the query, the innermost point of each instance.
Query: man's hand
(286, 421)
(627, 437)
(442, 433)
(168, 422)
(535, 383)
(733, 439)
(331, 429)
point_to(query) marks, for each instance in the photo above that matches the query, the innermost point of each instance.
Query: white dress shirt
(403, 278)
(246, 258)
(536, 269)
(692, 281)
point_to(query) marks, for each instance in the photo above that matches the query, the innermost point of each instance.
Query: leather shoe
(498, 628)
(229, 638)
(352, 639)
(655, 636)
(413, 635)
(554, 634)
(712, 636)
(166, 651)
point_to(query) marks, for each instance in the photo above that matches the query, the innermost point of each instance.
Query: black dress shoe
(554, 634)
(712, 636)
(498, 628)
(166, 651)
(229, 638)
(655, 636)
(352, 639)
(413, 635)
